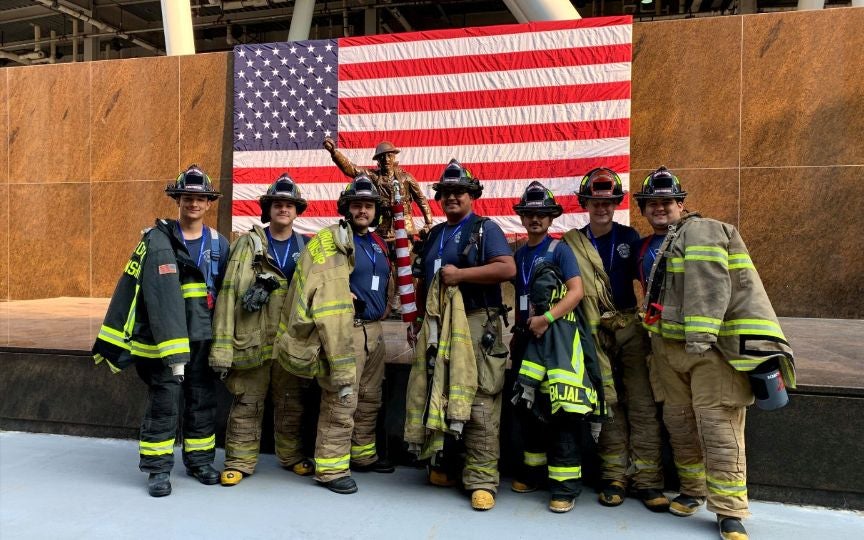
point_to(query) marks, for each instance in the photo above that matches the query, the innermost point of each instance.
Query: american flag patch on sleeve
(167, 269)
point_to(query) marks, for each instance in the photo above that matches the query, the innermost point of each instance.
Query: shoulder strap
(214, 252)
(552, 245)
(301, 242)
(473, 239)
(378, 240)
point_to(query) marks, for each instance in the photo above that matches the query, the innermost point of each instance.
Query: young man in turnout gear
(471, 251)
(330, 329)
(710, 322)
(160, 320)
(630, 443)
(553, 442)
(244, 327)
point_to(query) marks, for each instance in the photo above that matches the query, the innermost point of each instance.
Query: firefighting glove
(696, 347)
(178, 370)
(595, 430)
(345, 391)
(221, 372)
(258, 293)
(525, 396)
(457, 427)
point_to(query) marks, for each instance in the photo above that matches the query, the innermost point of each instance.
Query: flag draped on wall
(542, 101)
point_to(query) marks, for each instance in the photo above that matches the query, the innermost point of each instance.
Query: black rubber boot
(205, 474)
(379, 466)
(344, 485)
(159, 484)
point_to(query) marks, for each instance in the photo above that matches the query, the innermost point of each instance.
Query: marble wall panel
(135, 126)
(807, 247)
(803, 95)
(121, 210)
(686, 93)
(4, 127)
(49, 123)
(4, 242)
(49, 259)
(205, 113)
(711, 192)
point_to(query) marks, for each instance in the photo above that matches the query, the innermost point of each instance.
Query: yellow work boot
(522, 487)
(686, 505)
(612, 493)
(230, 477)
(731, 528)
(304, 467)
(482, 500)
(440, 478)
(560, 506)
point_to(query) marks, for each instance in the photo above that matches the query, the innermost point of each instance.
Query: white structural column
(516, 11)
(547, 10)
(301, 20)
(810, 4)
(857, 3)
(177, 22)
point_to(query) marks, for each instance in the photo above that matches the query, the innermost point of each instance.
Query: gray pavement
(58, 487)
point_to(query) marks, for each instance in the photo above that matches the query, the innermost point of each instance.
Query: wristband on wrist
(549, 317)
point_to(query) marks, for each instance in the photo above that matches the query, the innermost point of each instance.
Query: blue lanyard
(284, 258)
(526, 277)
(204, 234)
(442, 241)
(372, 256)
(611, 247)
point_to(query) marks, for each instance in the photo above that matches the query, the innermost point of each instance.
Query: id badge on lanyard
(375, 282)
(437, 265)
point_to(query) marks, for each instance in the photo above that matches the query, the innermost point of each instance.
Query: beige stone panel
(49, 257)
(49, 123)
(4, 243)
(803, 96)
(4, 126)
(686, 93)
(135, 123)
(807, 246)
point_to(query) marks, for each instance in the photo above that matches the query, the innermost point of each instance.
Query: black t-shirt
(619, 261)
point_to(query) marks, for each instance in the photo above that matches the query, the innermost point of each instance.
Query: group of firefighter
(615, 336)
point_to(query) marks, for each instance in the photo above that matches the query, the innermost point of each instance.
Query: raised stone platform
(809, 452)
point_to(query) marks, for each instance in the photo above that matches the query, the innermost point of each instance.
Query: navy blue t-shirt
(370, 277)
(285, 253)
(203, 259)
(619, 261)
(647, 260)
(528, 257)
(446, 248)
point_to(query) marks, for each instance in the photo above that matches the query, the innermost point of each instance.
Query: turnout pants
(554, 447)
(162, 416)
(346, 426)
(243, 437)
(631, 443)
(705, 402)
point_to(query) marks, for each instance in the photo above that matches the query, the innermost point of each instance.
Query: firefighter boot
(380, 465)
(304, 467)
(482, 499)
(686, 505)
(612, 493)
(205, 474)
(344, 485)
(159, 484)
(731, 528)
(653, 499)
(561, 505)
(230, 477)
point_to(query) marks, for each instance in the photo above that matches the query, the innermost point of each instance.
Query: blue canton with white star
(285, 95)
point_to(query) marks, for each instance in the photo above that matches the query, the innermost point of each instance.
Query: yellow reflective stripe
(488, 467)
(614, 459)
(709, 325)
(362, 451)
(156, 448)
(332, 464)
(696, 470)
(99, 358)
(562, 474)
(193, 290)
(675, 265)
(534, 459)
(642, 465)
(336, 307)
(708, 249)
(173, 346)
(746, 364)
(532, 370)
(733, 488)
(738, 261)
(112, 336)
(752, 327)
(198, 445)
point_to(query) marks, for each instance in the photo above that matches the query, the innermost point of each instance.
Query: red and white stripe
(404, 279)
(542, 101)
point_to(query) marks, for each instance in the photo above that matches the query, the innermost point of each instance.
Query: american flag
(541, 101)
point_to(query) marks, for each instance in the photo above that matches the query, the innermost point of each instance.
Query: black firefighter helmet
(360, 189)
(601, 183)
(538, 200)
(660, 184)
(192, 181)
(283, 189)
(457, 176)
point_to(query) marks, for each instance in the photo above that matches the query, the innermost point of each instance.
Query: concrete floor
(58, 487)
